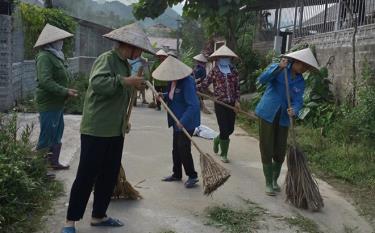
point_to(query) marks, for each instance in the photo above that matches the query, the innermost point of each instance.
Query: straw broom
(250, 115)
(124, 189)
(301, 188)
(213, 174)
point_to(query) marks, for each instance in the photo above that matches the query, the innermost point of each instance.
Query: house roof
(273, 4)
(161, 42)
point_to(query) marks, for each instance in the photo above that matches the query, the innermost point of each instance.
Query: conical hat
(51, 34)
(223, 51)
(200, 58)
(131, 34)
(171, 69)
(162, 53)
(305, 56)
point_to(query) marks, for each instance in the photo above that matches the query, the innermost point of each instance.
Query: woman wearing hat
(160, 86)
(52, 91)
(183, 101)
(102, 138)
(224, 77)
(199, 73)
(273, 111)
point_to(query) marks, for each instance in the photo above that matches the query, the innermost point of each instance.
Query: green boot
(276, 168)
(267, 170)
(224, 144)
(216, 144)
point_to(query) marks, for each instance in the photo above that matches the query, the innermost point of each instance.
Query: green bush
(24, 191)
(34, 19)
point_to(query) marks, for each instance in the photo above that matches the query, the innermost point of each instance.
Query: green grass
(235, 220)
(304, 224)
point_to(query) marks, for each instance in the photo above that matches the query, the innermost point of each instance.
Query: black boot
(54, 158)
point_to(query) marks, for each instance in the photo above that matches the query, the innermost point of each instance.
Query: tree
(225, 14)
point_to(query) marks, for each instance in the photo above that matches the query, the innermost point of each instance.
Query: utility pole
(179, 27)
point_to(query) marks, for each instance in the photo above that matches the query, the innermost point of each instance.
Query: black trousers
(225, 118)
(160, 89)
(99, 166)
(181, 154)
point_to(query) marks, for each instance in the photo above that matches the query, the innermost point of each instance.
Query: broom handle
(289, 105)
(133, 97)
(248, 114)
(174, 117)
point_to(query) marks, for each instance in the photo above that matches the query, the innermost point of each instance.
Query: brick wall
(337, 46)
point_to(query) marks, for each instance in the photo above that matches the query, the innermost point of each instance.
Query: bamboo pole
(250, 115)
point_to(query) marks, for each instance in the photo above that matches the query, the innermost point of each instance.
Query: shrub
(24, 191)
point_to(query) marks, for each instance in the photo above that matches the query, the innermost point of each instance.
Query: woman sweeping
(273, 111)
(52, 91)
(183, 101)
(224, 77)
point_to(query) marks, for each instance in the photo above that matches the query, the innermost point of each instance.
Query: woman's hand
(136, 82)
(291, 112)
(72, 93)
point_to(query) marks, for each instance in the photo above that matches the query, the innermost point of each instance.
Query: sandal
(110, 222)
(68, 230)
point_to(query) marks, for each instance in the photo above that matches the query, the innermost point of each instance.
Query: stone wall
(337, 47)
(5, 60)
(23, 82)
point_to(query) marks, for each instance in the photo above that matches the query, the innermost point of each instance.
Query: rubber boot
(276, 168)
(224, 144)
(267, 170)
(216, 144)
(54, 158)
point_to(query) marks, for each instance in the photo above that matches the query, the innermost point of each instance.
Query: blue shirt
(274, 98)
(185, 104)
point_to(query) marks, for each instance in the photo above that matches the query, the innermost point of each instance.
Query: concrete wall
(337, 46)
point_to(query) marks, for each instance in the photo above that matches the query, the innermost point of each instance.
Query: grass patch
(304, 224)
(235, 220)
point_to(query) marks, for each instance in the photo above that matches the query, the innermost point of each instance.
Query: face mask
(58, 45)
(224, 65)
(135, 65)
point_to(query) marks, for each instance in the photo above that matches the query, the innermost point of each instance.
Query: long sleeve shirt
(52, 81)
(274, 98)
(107, 97)
(226, 88)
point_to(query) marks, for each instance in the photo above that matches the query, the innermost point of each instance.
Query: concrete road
(169, 206)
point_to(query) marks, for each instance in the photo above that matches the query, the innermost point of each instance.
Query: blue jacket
(185, 104)
(274, 98)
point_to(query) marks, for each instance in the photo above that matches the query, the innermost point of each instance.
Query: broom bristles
(214, 175)
(302, 189)
(123, 189)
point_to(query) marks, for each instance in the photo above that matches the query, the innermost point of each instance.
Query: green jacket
(107, 97)
(52, 81)
(157, 83)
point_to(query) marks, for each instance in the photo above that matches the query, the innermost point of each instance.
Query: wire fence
(310, 17)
